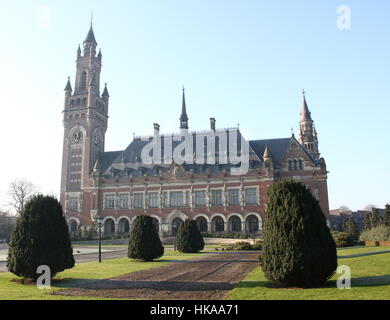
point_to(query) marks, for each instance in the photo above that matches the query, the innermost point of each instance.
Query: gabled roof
(276, 147)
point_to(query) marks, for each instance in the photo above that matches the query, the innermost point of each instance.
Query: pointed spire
(105, 91)
(184, 117)
(267, 154)
(96, 167)
(68, 86)
(90, 36)
(305, 114)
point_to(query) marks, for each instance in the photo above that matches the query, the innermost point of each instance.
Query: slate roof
(128, 161)
(90, 36)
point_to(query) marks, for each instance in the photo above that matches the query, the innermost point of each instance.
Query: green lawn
(82, 273)
(370, 280)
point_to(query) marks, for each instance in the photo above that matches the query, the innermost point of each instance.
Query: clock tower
(85, 124)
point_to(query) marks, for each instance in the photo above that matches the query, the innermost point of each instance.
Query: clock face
(77, 136)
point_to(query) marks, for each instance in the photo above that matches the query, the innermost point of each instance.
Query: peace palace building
(119, 186)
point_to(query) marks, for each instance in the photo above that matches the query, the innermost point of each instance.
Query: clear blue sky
(241, 61)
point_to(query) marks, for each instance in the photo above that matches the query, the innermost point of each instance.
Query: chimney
(156, 127)
(212, 124)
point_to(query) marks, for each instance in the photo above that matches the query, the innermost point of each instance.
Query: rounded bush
(41, 237)
(189, 239)
(298, 248)
(144, 241)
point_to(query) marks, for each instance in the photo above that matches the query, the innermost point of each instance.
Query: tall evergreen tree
(376, 219)
(189, 239)
(386, 219)
(41, 237)
(367, 221)
(144, 242)
(298, 248)
(352, 228)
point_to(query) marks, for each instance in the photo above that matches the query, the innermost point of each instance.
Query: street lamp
(99, 221)
(174, 235)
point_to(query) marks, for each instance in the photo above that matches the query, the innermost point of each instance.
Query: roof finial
(303, 92)
(91, 18)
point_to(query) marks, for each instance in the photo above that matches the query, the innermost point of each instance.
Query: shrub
(41, 237)
(380, 233)
(144, 242)
(244, 246)
(189, 239)
(341, 239)
(298, 248)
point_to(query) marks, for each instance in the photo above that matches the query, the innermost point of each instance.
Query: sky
(241, 62)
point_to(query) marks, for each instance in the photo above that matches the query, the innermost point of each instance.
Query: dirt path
(209, 277)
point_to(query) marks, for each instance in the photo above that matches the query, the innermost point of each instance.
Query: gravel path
(208, 277)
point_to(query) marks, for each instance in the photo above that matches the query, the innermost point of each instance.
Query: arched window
(202, 224)
(252, 224)
(290, 167)
(109, 227)
(219, 225)
(175, 225)
(235, 224)
(300, 164)
(295, 165)
(83, 81)
(156, 224)
(124, 226)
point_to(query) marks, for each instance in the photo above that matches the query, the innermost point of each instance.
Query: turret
(184, 117)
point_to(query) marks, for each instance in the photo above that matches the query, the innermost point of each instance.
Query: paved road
(117, 253)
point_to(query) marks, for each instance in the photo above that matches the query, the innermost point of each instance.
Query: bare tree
(344, 208)
(369, 207)
(20, 192)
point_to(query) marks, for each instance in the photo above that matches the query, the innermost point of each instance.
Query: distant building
(338, 217)
(119, 186)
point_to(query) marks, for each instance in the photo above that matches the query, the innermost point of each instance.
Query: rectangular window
(123, 201)
(234, 197)
(176, 199)
(200, 198)
(251, 196)
(216, 198)
(166, 199)
(153, 200)
(138, 200)
(73, 204)
(109, 201)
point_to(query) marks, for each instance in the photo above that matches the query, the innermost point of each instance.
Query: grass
(81, 273)
(370, 281)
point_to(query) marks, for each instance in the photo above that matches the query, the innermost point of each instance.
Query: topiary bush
(188, 238)
(380, 233)
(298, 248)
(41, 237)
(144, 241)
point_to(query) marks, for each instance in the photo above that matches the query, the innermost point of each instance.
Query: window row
(176, 199)
(295, 165)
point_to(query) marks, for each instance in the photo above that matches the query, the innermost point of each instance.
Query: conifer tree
(352, 229)
(367, 221)
(298, 248)
(189, 239)
(376, 219)
(144, 242)
(386, 219)
(41, 237)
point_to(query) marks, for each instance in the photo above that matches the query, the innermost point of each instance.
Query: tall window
(251, 196)
(138, 200)
(83, 81)
(200, 198)
(290, 166)
(216, 198)
(109, 201)
(73, 204)
(166, 199)
(234, 197)
(176, 199)
(153, 200)
(123, 201)
(300, 164)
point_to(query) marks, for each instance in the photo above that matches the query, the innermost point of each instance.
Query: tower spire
(184, 117)
(308, 135)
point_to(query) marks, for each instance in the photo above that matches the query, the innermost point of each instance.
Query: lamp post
(174, 235)
(99, 221)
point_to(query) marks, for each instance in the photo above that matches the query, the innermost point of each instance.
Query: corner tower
(85, 124)
(308, 134)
